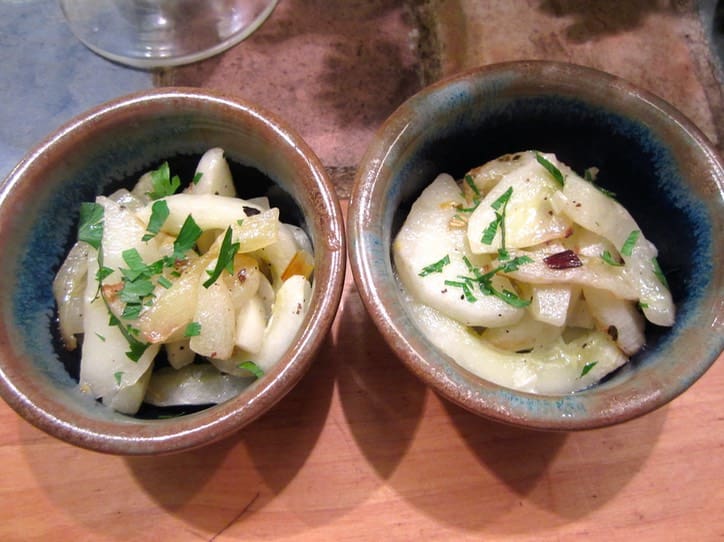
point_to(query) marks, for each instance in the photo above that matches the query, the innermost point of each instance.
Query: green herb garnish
(164, 282)
(436, 267)
(162, 182)
(252, 367)
(628, 245)
(118, 376)
(90, 229)
(587, 368)
(159, 214)
(186, 240)
(197, 177)
(471, 183)
(499, 206)
(193, 329)
(490, 230)
(643, 305)
(101, 337)
(225, 260)
(465, 287)
(552, 169)
(659, 273)
(607, 257)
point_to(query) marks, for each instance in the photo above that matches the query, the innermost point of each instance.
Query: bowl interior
(658, 165)
(108, 148)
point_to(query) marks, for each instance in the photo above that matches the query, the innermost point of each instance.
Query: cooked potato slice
(216, 318)
(617, 317)
(215, 175)
(529, 217)
(424, 239)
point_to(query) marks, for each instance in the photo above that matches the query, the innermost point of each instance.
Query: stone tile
(658, 45)
(333, 70)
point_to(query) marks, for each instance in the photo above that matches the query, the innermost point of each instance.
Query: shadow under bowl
(659, 165)
(109, 147)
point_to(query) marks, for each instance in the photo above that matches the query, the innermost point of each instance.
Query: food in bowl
(529, 275)
(181, 298)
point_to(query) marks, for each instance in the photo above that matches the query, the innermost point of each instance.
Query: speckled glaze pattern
(658, 163)
(39, 201)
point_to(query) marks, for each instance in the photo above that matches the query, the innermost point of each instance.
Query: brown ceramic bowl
(657, 162)
(102, 149)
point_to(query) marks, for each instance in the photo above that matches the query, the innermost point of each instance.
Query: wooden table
(360, 449)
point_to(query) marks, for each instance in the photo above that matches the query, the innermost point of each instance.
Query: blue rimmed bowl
(103, 149)
(662, 168)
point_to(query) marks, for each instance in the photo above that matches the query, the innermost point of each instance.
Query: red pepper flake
(563, 260)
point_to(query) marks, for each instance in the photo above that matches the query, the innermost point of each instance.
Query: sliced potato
(529, 217)
(617, 317)
(68, 287)
(179, 353)
(215, 175)
(425, 239)
(556, 369)
(215, 316)
(198, 384)
(208, 211)
(250, 325)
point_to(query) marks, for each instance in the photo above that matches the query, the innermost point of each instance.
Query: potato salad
(529, 275)
(216, 283)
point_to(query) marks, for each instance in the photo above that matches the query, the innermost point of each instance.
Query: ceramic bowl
(102, 149)
(658, 163)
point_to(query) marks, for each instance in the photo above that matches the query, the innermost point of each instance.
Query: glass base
(163, 33)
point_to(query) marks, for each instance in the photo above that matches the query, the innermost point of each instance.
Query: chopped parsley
(436, 267)
(551, 168)
(607, 257)
(587, 368)
(193, 329)
(466, 288)
(225, 260)
(471, 183)
(630, 243)
(499, 206)
(90, 229)
(659, 273)
(163, 183)
(186, 240)
(159, 214)
(484, 282)
(252, 367)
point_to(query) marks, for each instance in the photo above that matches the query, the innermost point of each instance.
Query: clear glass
(163, 33)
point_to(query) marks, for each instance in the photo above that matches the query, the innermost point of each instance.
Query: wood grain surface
(361, 450)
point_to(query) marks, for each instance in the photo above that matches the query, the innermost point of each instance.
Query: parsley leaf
(630, 243)
(90, 229)
(187, 237)
(552, 169)
(162, 182)
(193, 329)
(252, 367)
(471, 183)
(491, 229)
(607, 257)
(587, 368)
(197, 177)
(659, 273)
(159, 214)
(225, 260)
(435, 267)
